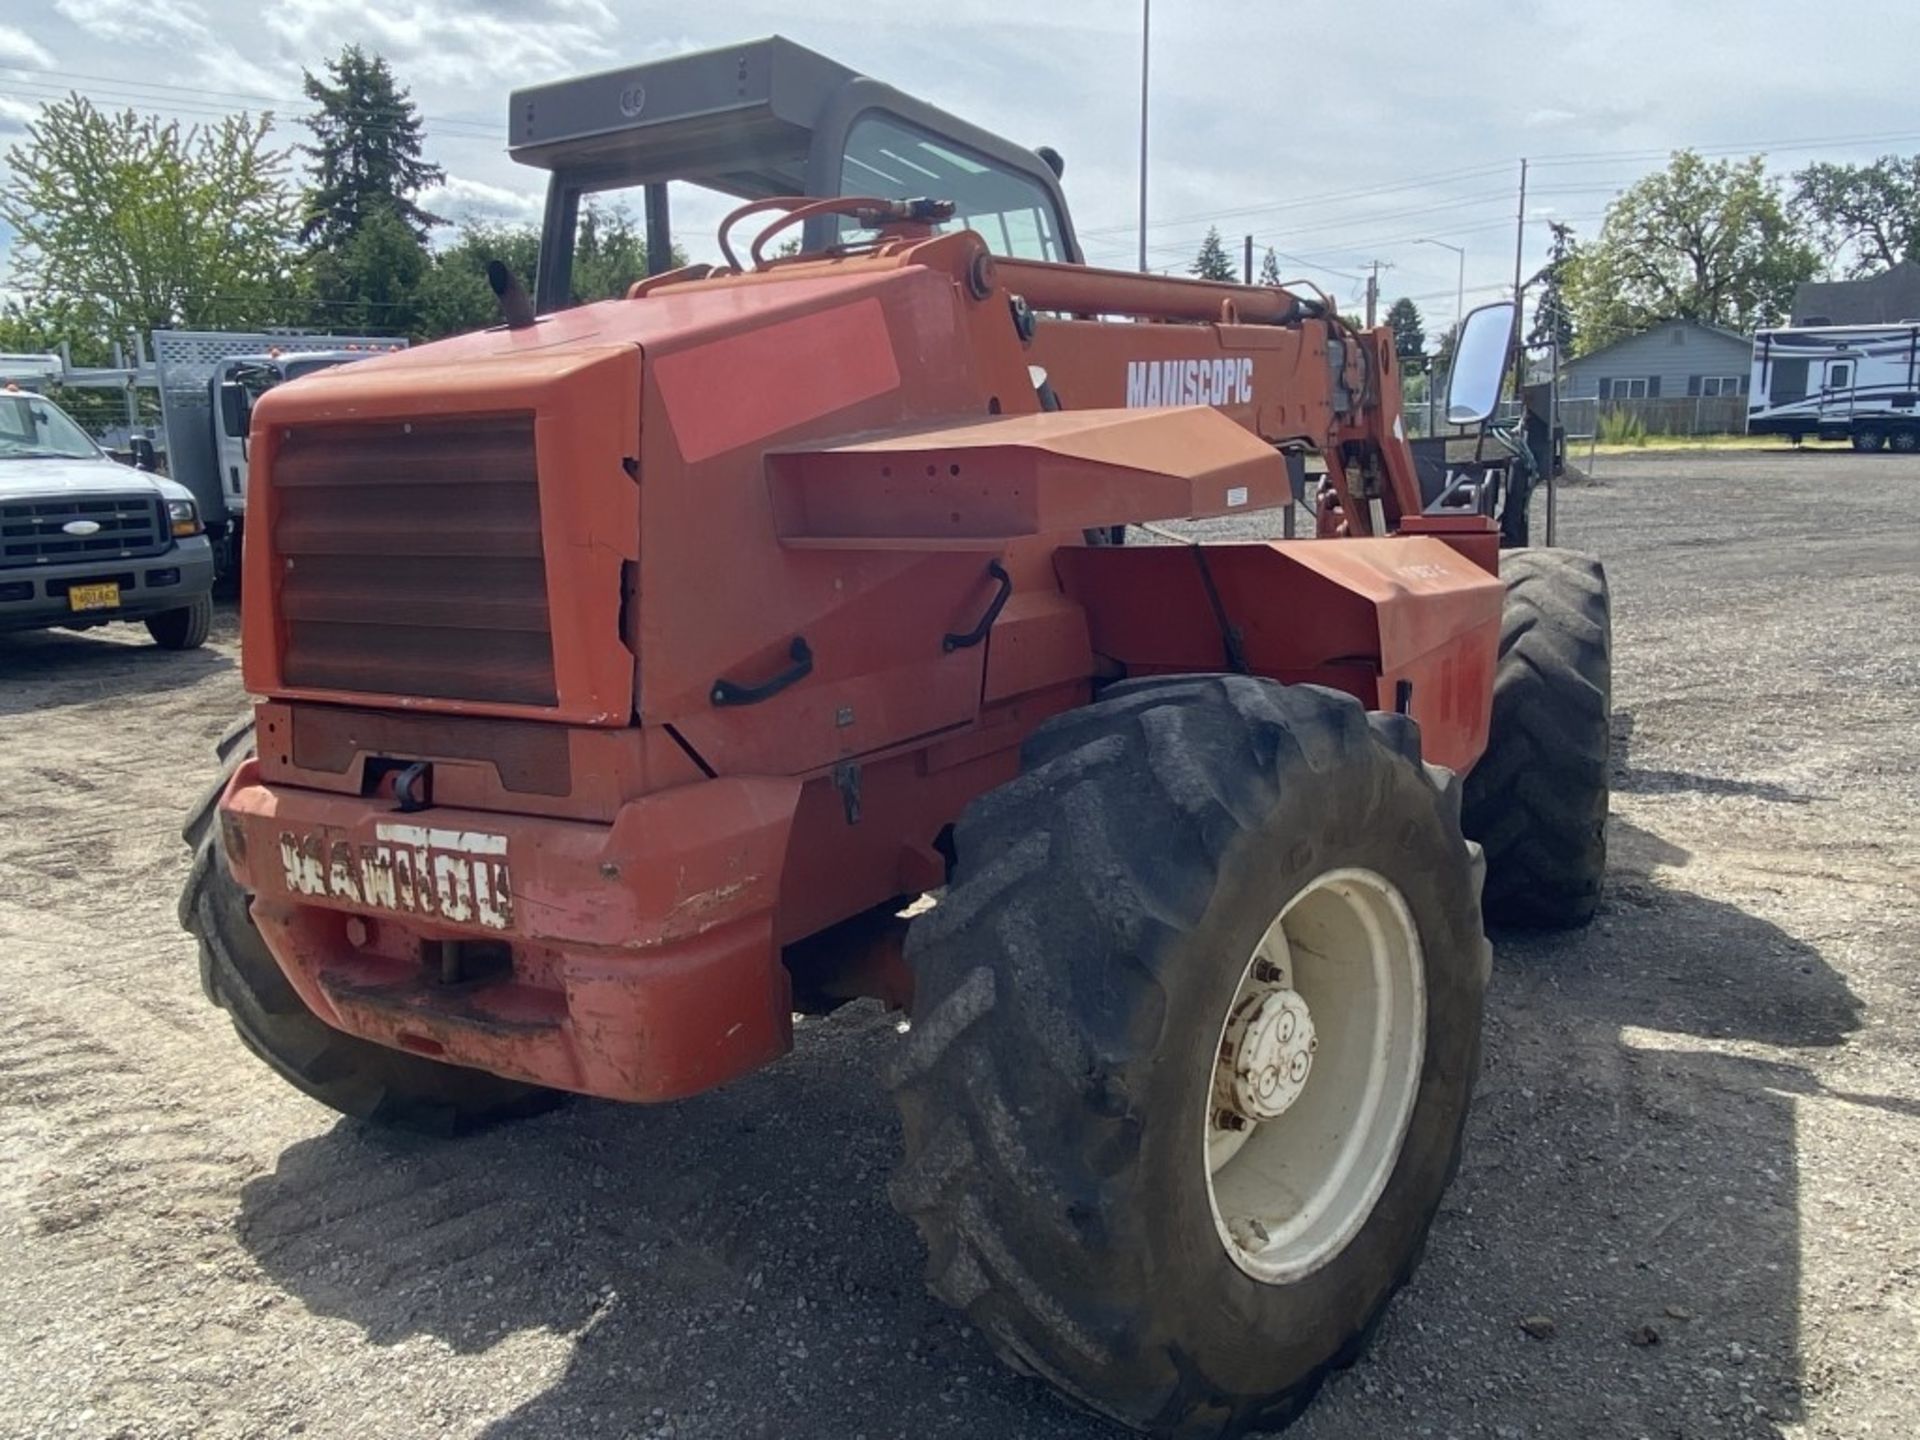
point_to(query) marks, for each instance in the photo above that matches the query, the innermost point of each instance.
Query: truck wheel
(1869, 440)
(354, 1076)
(1905, 440)
(1537, 801)
(183, 629)
(1194, 1032)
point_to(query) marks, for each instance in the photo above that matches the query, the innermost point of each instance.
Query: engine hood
(22, 479)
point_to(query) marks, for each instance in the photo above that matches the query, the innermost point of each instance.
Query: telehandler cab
(635, 675)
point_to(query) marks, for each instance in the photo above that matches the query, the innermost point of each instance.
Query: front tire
(184, 629)
(356, 1077)
(1060, 1088)
(1537, 801)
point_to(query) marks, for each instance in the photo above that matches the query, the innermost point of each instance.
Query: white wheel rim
(1296, 1154)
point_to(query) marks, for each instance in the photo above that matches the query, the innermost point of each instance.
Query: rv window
(1012, 212)
(1788, 383)
(1840, 376)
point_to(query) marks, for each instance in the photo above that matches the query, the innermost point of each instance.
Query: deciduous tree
(1705, 240)
(127, 222)
(1867, 217)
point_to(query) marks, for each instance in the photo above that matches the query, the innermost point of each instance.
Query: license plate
(104, 596)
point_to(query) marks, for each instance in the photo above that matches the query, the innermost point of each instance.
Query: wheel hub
(1272, 1055)
(1300, 1142)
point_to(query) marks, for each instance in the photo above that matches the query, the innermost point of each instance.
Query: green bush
(1622, 427)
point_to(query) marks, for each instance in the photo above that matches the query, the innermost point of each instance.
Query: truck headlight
(184, 517)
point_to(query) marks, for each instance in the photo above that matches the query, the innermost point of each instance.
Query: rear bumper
(35, 597)
(634, 961)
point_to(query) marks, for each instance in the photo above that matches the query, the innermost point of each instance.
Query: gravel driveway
(1692, 1162)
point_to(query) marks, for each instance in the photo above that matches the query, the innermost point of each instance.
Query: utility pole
(1146, 23)
(1373, 288)
(1246, 265)
(1519, 298)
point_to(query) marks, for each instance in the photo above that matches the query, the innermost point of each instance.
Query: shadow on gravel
(50, 669)
(1632, 1171)
(730, 1266)
(1629, 779)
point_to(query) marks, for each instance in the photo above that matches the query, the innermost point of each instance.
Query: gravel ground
(1693, 1150)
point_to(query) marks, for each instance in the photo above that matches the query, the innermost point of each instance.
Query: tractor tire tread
(1537, 801)
(1114, 826)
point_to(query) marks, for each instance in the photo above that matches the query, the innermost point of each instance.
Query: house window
(1635, 389)
(1720, 385)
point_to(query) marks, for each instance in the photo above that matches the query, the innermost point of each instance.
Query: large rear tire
(354, 1076)
(1185, 869)
(1537, 801)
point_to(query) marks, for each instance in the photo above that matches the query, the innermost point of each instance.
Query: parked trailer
(1838, 382)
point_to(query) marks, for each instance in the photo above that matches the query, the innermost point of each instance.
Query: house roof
(1733, 335)
(1888, 298)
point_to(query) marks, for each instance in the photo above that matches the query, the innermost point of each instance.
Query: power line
(1296, 203)
(480, 128)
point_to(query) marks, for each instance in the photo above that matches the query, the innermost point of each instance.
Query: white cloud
(451, 42)
(137, 21)
(18, 47)
(16, 115)
(462, 199)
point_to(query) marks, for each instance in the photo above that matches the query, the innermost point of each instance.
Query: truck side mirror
(144, 456)
(1480, 363)
(236, 408)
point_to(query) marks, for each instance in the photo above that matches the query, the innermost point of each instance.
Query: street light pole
(1460, 291)
(1146, 20)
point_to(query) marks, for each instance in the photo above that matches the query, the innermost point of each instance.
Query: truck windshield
(31, 427)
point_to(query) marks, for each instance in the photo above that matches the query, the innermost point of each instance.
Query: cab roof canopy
(764, 118)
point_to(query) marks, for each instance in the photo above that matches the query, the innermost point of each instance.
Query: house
(1890, 298)
(1675, 357)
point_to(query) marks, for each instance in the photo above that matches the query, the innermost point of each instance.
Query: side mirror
(1480, 357)
(144, 456)
(236, 408)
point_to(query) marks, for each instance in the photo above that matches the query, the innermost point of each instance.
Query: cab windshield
(33, 428)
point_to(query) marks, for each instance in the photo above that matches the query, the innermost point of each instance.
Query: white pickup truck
(86, 541)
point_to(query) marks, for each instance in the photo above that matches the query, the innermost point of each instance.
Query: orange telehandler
(635, 675)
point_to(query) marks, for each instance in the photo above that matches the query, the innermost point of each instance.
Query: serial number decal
(455, 875)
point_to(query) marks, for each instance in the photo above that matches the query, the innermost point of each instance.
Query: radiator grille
(33, 532)
(411, 561)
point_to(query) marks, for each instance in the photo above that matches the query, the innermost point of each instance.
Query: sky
(1338, 132)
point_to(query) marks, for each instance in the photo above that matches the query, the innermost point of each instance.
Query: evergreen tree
(366, 153)
(1552, 318)
(1213, 263)
(1270, 268)
(1409, 331)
